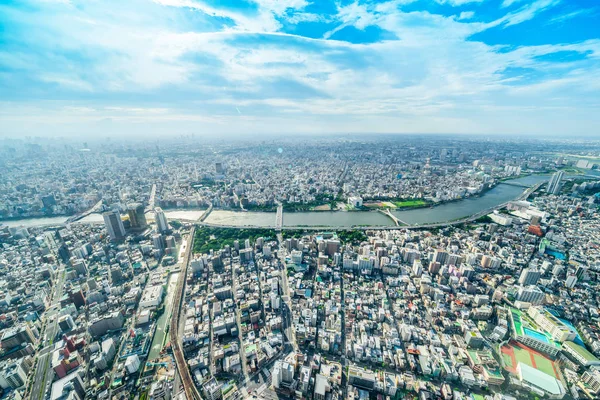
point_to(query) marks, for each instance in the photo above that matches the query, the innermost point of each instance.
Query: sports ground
(513, 353)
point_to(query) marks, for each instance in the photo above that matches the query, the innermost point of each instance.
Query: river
(441, 213)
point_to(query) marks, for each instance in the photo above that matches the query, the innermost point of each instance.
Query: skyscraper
(114, 225)
(161, 220)
(554, 185)
(136, 216)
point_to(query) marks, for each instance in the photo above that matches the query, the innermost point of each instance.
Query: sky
(207, 67)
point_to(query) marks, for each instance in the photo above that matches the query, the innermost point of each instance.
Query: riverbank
(439, 213)
(51, 216)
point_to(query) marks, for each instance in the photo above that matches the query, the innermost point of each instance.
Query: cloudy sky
(208, 67)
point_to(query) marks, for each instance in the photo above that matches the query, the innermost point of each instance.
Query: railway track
(190, 389)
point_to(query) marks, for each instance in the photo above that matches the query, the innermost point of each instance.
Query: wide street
(43, 373)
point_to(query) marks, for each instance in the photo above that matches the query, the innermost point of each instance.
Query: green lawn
(541, 363)
(522, 355)
(544, 365)
(410, 203)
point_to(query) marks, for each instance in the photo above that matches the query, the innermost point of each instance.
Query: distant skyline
(146, 68)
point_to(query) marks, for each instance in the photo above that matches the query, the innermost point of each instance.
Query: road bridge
(206, 213)
(396, 220)
(509, 183)
(94, 209)
(279, 217)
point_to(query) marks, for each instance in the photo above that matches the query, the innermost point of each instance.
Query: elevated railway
(189, 387)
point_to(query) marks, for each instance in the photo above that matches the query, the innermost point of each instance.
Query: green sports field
(513, 353)
(410, 203)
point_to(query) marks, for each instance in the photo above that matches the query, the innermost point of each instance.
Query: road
(238, 319)
(396, 220)
(43, 373)
(287, 300)
(279, 217)
(152, 199)
(206, 213)
(190, 390)
(94, 209)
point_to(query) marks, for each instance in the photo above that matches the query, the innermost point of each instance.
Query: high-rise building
(529, 276)
(161, 220)
(219, 168)
(212, 389)
(69, 387)
(571, 281)
(137, 219)
(440, 256)
(591, 378)
(554, 185)
(17, 335)
(170, 242)
(530, 294)
(15, 375)
(158, 241)
(114, 225)
(66, 323)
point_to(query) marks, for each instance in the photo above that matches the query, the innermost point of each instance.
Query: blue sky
(153, 67)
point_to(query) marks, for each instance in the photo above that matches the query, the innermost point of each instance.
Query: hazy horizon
(151, 69)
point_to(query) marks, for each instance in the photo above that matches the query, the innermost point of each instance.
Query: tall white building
(161, 220)
(114, 225)
(529, 276)
(530, 294)
(554, 185)
(571, 281)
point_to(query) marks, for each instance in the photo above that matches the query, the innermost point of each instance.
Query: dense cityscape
(120, 279)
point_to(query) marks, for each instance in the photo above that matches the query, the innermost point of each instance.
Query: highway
(191, 392)
(152, 199)
(94, 209)
(43, 373)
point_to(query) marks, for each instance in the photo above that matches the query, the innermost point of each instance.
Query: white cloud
(508, 3)
(466, 15)
(564, 17)
(529, 12)
(457, 3)
(432, 79)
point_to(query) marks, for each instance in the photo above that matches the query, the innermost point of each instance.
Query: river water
(442, 213)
